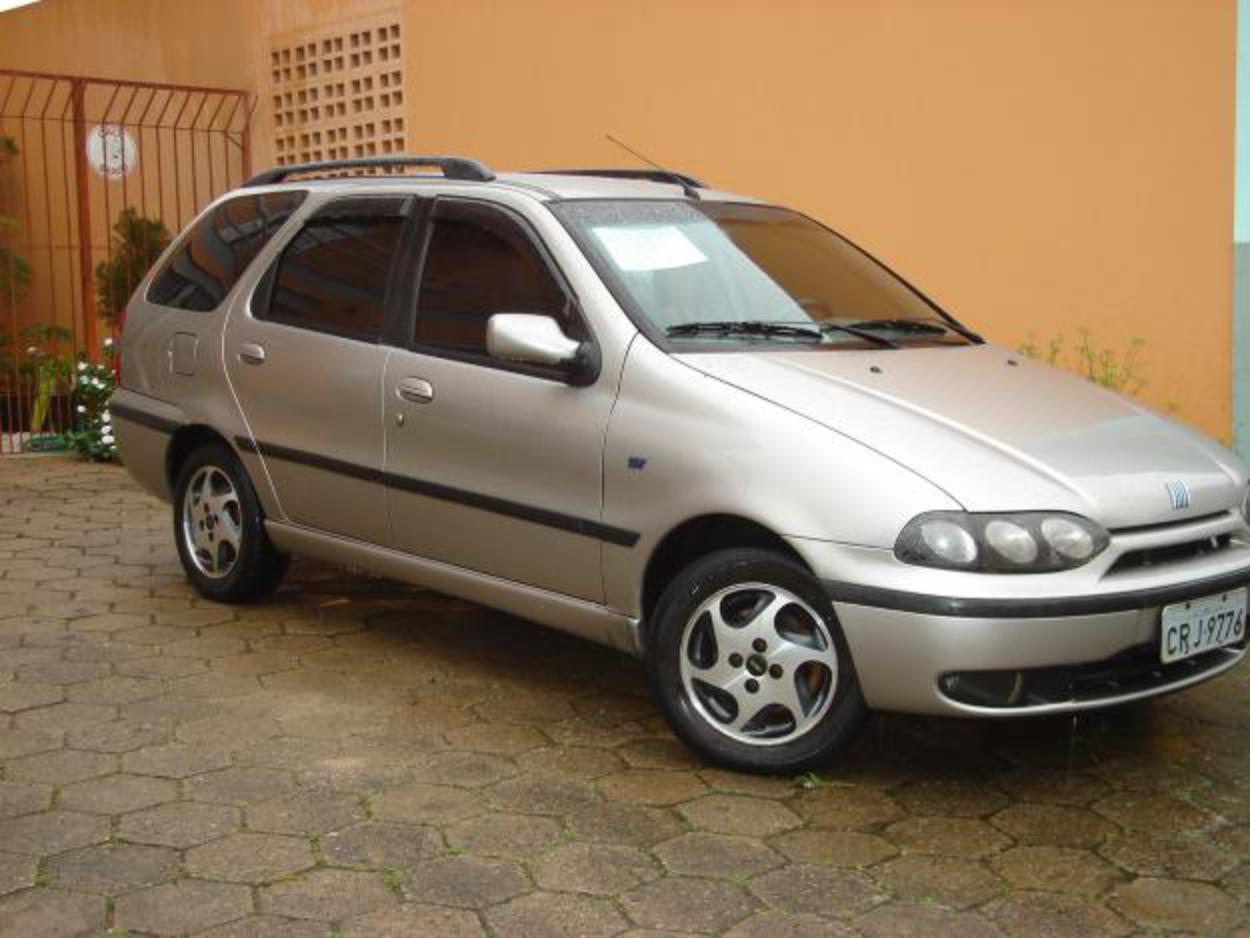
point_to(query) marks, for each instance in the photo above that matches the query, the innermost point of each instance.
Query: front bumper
(1008, 667)
(960, 644)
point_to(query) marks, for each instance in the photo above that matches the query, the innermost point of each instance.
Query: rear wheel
(219, 529)
(750, 665)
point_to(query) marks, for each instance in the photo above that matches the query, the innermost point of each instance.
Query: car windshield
(704, 271)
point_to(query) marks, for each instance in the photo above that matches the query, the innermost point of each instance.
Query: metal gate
(95, 176)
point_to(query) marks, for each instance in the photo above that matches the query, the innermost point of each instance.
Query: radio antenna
(690, 191)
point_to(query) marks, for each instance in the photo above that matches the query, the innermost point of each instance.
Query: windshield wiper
(917, 327)
(857, 330)
(748, 327)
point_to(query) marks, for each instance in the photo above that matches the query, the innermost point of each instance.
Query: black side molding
(1032, 608)
(143, 418)
(586, 527)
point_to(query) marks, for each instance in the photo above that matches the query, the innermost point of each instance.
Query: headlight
(1019, 542)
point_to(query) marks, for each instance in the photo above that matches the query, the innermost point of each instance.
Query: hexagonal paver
(425, 804)
(270, 926)
(466, 882)
(175, 760)
(849, 807)
(790, 924)
(1174, 904)
(23, 798)
(117, 736)
(953, 837)
(501, 834)
(840, 848)
(26, 695)
(818, 890)
(113, 868)
(546, 913)
(631, 824)
(327, 895)
(60, 767)
(573, 762)
(16, 872)
(1152, 812)
(52, 832)
(415, 920)
(1056, 869)
(598, 869)
(1053, 825)
(540, 794)
(651, 786)
(950, 797)
(378, 844)
(117, 794)
(185, 906)
(739, 814)
(946, 880)
(239, 785)
(678, 903)
(499, 738)
(1053, 915)
(250, 858)
(305, 813)
(25, 742)
(899, 919)
(179, 824)
(50, 913)
(716, 855)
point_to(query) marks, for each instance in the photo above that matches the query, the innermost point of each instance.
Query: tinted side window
(480, 262)
(333, 275)
(212, 258)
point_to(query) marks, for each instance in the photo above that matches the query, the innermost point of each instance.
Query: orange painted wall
(1037, 166)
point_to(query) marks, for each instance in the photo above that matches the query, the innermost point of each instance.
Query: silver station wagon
(702, 429)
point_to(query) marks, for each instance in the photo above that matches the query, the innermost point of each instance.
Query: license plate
(1202, 624)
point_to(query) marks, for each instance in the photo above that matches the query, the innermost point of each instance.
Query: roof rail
(648, 175)
(453, 167)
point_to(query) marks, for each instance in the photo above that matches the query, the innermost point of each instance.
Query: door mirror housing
(537, 340)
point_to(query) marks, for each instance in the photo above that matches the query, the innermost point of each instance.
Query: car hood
(996, 431)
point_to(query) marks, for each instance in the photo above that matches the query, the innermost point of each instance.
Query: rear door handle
(415, 390)
(252, 354)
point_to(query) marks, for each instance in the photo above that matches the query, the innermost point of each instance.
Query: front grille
(1132, 671)
(1170, 553)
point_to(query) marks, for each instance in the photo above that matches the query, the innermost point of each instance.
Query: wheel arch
(183, 443)
(697, 537)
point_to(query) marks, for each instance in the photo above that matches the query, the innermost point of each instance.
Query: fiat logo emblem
(1178, 492)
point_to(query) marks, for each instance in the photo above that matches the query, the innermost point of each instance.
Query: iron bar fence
(95, 175)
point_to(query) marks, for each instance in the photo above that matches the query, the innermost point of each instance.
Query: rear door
(307, 360)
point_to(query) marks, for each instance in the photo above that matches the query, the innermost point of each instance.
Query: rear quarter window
(213, 256)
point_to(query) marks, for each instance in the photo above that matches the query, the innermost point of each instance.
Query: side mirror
(534, 340)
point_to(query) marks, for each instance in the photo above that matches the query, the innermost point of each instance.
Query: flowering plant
(92, 436)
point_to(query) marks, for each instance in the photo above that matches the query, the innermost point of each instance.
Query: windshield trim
(683, 344)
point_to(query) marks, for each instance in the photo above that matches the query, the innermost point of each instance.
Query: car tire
(219, 528)
(775, 658)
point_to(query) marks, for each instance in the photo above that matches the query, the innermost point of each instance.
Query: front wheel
(749, 663)
(220, 529)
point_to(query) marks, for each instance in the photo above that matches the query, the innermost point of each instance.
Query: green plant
(15, 273)
(1119, 371)
(92, 436)
(45, 367)
(136, 244)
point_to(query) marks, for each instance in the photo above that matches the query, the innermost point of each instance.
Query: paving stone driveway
(360, 758)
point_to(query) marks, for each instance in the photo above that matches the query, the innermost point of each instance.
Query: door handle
(415, 390)
(252, 354)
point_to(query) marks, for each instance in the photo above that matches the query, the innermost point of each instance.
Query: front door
(306, 362)
(490, 467)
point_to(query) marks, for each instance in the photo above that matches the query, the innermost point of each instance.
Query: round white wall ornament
(111, 151)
